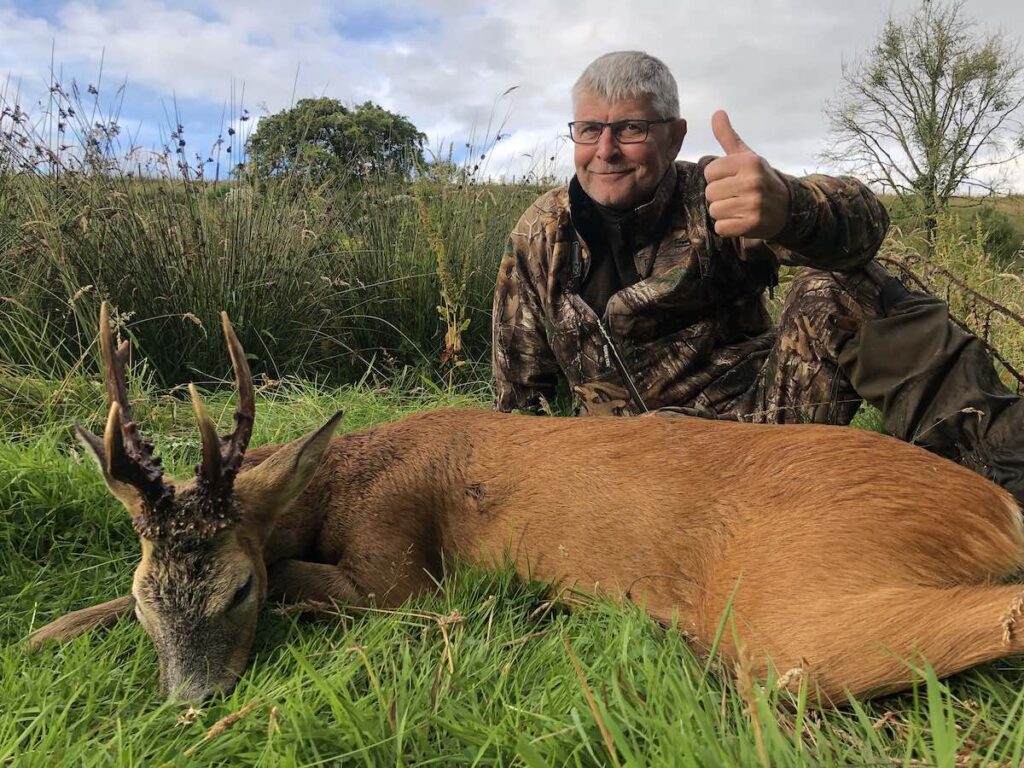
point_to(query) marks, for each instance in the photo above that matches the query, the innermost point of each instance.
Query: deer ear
(270, 486)
(93, 445)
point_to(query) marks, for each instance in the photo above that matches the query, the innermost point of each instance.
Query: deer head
(202, 577)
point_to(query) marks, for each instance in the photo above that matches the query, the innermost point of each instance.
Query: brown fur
(848, 554)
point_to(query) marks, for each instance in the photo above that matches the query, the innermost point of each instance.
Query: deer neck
(294, 528)
(388, 478)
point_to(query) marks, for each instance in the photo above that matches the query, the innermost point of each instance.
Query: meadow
(374, 298)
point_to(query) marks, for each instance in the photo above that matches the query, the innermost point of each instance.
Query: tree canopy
(931, 109)
(322, 138)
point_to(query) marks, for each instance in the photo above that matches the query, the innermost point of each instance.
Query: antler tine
(222, 456)
(210, 469)
(113, 366)
(118, 464)
(245, 413)
(129, 457)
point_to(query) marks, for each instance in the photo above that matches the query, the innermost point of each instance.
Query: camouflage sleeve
(525, 369)
(836, 224)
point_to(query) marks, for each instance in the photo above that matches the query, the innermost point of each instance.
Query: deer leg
(389, 586)
(298, 581)
(78, 622)
(869, 643)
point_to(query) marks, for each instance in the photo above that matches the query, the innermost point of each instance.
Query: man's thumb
(726, 135)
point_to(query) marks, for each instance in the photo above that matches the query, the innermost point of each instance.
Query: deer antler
(129, 458)
(222, 456)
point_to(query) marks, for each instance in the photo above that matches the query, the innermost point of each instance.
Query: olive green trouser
(844, 338)
(936, 387)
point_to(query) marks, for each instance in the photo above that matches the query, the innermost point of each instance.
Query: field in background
(332, 284)
(328, 283)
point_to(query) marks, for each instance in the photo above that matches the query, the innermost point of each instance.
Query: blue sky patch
(375, 25)
(40, 9)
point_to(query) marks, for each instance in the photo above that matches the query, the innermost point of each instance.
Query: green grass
(379, 688)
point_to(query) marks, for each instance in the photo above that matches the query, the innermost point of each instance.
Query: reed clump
(330, 280)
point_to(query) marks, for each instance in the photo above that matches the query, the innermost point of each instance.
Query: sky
(462, 71)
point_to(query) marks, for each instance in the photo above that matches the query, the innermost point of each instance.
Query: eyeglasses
(623, 131)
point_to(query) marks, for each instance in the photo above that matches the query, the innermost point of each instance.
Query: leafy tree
(322, 138)
(931, 109)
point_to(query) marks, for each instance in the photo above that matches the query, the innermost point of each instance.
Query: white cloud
(771, 64)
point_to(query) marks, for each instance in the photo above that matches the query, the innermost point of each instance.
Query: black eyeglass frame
(617, 126)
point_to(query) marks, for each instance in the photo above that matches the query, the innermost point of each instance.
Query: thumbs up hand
(746, 196)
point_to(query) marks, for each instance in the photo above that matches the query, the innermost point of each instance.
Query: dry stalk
(358, 650)
(191, 715)
(792, 676)
(524, 639)
(435, 686)
(222, 725)
(889, 718)
(443, 622)
(745, 685)
(491, 603)
(1009, 622)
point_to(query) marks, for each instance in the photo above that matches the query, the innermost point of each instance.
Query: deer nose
(192, 687)
(198, 692)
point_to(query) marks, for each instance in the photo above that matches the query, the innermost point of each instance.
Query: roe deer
(845, 553)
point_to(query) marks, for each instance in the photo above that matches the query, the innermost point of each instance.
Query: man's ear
(124, 493)
(266, 489)
(678, 134)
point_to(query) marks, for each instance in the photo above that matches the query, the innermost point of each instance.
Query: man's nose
(607, 146)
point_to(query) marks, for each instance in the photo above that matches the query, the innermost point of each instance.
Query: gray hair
(630, 75)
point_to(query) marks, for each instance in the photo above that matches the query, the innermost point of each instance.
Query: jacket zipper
(609, 346)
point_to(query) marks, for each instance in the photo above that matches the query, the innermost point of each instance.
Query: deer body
(845, 554)
(842, 552)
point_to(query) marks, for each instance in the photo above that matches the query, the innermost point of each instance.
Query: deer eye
(241, 594)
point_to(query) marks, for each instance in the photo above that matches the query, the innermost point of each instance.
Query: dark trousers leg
(936, 387)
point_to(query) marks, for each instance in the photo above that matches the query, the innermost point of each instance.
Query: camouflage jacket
(694, 331)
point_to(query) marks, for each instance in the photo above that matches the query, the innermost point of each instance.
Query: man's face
(624, 175)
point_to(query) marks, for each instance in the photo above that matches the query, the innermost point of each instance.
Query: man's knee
(823, 310)
(845, 298)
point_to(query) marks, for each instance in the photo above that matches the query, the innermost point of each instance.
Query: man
(642, 284)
